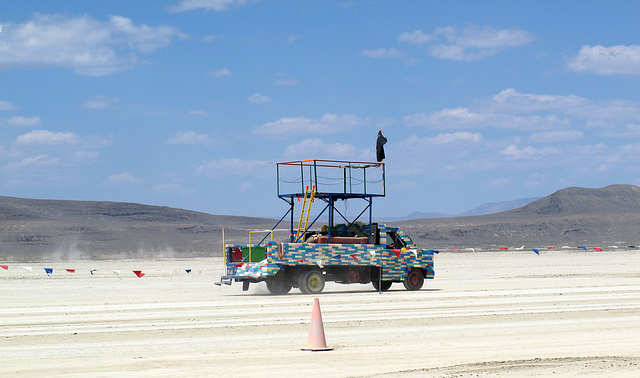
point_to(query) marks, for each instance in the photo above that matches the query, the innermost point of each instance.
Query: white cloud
(46, 137)
(514, 110)
(124, 178)
(527, 153)
(31, 163)
(99, 102)
(327, 124)
(614, 60)
(464, 118)
(448, 153)
(448, 118)
(143, 38)
(416, 37)
(417, 144)
(226, 167)
(84, 156)
(556, 136)
(52, 158)
(21, 121)
(467, 44)
(512, 100)
(257, 98)
(223, 72)
(213, 5)
(170, 188)
(245, 186)
(190, 137)
(458, 136)
(536, 180)
(87, 46)
(198, 113)
(609, 113)
(499, 182)
(631, 130)
(6, 105)
(316, 148)
(388, 53)
(381, 53)
(285, 80)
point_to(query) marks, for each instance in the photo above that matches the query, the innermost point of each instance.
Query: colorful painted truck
(352, 252)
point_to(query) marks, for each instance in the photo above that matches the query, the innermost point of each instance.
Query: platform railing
(330, 176)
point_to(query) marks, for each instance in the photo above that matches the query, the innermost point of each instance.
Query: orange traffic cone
(316, 342)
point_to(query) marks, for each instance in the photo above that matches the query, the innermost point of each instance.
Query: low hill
(612, 199)
(31, 229)
(572, 216)
(96, 229)
(487, 208)
(498, 207)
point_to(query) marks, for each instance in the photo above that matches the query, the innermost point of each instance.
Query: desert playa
(507, 313)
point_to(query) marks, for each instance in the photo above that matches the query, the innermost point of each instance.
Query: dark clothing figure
(380, 146)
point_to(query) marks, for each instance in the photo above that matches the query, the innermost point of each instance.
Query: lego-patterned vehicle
(350, 252)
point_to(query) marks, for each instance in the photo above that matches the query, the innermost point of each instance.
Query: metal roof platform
(330, 181)
(331, 178)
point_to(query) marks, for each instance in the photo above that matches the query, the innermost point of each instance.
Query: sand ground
(563, 313)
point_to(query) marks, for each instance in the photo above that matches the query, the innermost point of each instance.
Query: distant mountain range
(47, 229)
(572, 216)
(487, 208)
(32, 228)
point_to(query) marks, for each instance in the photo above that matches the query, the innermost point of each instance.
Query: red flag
(71, 270)
(598, 249)
(551, 248)
(5, 267)
(138, 273)
(397, 252)
(354, 257)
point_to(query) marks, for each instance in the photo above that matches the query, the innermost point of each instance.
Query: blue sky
(190, 103)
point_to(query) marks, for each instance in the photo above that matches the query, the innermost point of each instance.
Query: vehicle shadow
(295, 292)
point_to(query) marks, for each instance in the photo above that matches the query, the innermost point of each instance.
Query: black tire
(277, 285)
(381, 286)
(414, 280)
(302, 284)
(311, 282)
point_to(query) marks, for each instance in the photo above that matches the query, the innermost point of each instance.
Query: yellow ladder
(309, 196)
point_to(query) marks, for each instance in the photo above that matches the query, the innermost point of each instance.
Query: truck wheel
(277, 285)
(386, 285)
(302, 285)
(278, 288)
(311, 282)
(414, 280)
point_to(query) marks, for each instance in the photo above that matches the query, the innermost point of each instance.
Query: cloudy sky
(190, 103)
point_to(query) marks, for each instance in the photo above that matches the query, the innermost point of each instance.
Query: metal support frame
(330, 198)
